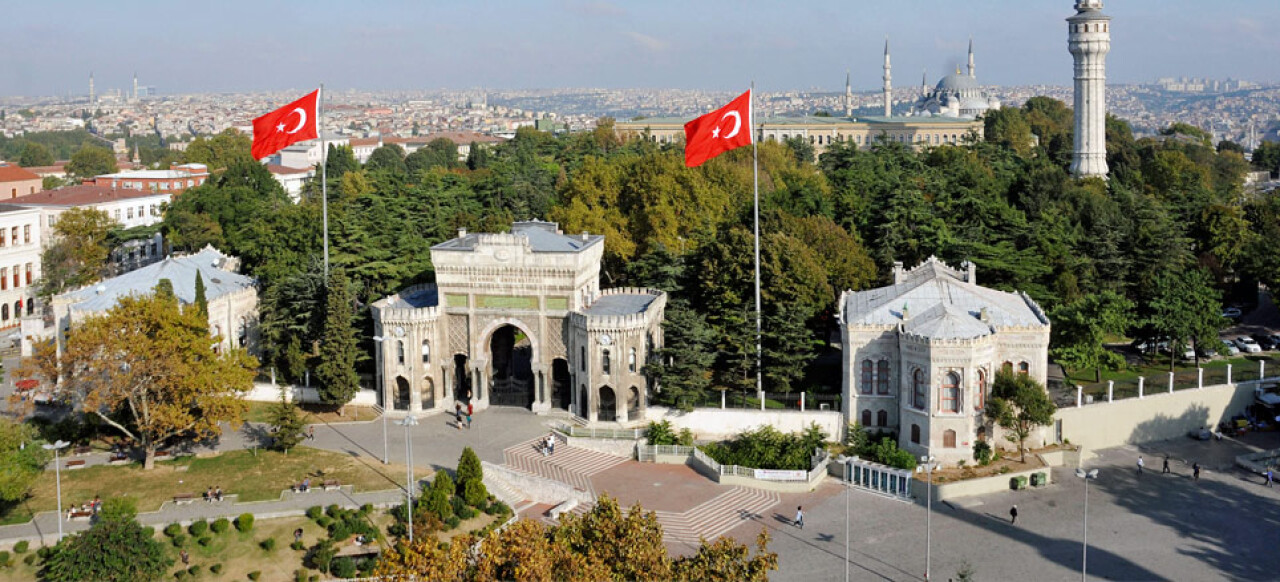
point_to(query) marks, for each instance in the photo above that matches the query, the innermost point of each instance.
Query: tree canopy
(77, 255)
(90, 161)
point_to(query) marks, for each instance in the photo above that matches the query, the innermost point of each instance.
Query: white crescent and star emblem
(737, 125)
(302, 119)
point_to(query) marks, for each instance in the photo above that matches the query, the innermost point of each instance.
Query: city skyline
(243, 47)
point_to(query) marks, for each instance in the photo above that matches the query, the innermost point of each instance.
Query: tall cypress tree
(202, 303)
(337, 370)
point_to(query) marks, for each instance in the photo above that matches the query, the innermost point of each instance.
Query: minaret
(848, 95)
(888, 83)
(924, 83)
(1089, 40)
(971, 73)
(90, 87)
(135, 85)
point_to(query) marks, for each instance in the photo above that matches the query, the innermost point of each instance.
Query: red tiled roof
(278, 169)
(465, 137)
(81, 195)
(59, 168)
(16, 174)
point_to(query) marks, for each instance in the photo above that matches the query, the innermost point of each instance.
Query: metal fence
(1257, 369)
(772, 400)
(601, 433)
(648, 453)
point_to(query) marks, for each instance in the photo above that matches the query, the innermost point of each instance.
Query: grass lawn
(260, 412)
(1156, 368)
(252, 478)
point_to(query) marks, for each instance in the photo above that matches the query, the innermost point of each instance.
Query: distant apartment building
(177, 178)
(291, 179)
(16, 181)
(306, 154)
(20, 234)
(129, 208)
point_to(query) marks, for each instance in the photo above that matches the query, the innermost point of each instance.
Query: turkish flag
(717, 132)
(285, 126)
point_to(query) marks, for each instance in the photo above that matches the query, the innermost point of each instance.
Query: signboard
(779, 475)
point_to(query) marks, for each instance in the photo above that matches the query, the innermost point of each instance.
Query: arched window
(400, 352)
(917, 389)
(882, 377)
(426, 352)
(4, 312)
(866, 418)
(866, 376)
(1007, 367)
(605, 364)
(631, 360)
(582, 361)
(1024, 368)
(980, 396)
(951, 393)
(948, 439)
(915, 433)
(882, 418)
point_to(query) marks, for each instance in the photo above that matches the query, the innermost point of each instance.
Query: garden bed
(1009, 462)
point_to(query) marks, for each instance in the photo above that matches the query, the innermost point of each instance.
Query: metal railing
(1262, 369)
(601, 433)
(648, 453)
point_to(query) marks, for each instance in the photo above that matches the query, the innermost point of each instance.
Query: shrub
(982, 452)
(149, 531)
(254, 575)
(324, 522)
(474, 492)
(466, 513)
(30, 560)
(220, 526)
(314, 512)
(660, 433)
(180, 575)
(298, 545)
(205, 541)
(194, 570)
(499, 508)
(457, 503)
(21, 547)
(321, 555)
(44, 552)
(198, 528)
(343, 568)
(366, 509)
(452, 522)
(300, 575)
(332, 510)
(313, 578)
(768, 448)
(469, 468)
(244, 523)
(216, 568)
(179, 540)
(1005, 469)
(4, 559)
(172, 530)
(123, 508)
(686, 438)
(268, 544)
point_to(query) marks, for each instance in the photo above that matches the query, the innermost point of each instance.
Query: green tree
(1007, 126)
(22, 460)
(388, 158)
(788, 346)
(90, 161)
(78, 254)
(1266, 156)
(228, 148)
(113, 550)
(1184, 308)
(339, 161)
(469, 468)
(438, 153)
(338, 349)
(202, 303)
(681, 368)
(801, 149)
(34, 154)
(1080, 327)
(287, 424)
(478, 156)
(1019, 405)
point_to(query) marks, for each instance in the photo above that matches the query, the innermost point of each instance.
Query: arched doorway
(608, 405)
(583, 409)
(512, 357)
(402, 393)
(428, 395)
(633, 403)
(461, 379)
(561, 384)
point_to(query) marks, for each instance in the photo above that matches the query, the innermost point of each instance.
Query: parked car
(1247, 345)
(1206, 351)
(1265, 342)
(1232, 350)
(1188, 353)
(1144, 346)
(1232, 312)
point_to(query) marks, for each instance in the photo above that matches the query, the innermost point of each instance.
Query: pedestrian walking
(1195, 471)
(799, 521)
(469, 412)
(297, 535)
(186, 558)
(551, 444)
(217, 493)
(1013, 515)
(311, 433)
(1270, 478)
(457, 415)
(1141, 464)
(1165, 469)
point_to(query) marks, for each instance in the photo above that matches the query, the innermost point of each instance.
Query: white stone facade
(518, 319)
(20, 235)
(1089, 41)
(920, 355)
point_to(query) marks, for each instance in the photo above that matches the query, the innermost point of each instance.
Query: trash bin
(1038, 479)
(1019, 482)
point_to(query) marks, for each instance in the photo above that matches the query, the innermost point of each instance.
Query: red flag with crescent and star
(285, 126)
(717, 132)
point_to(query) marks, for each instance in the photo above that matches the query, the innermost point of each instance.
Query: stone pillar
(1111, 390)
(1079, 396)
(1262, 369)
(1141, 380)
(1228, 373)
(802, 402)
(446, 382)
(1171, 382)
(1200, 378)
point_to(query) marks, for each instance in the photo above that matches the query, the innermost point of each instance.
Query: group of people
(549, 445)
(213, 494)
(459, 412)
(1164, 468)
(91, 507)
(304, 486)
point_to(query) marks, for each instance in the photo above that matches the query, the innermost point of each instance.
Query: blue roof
(181, 271)
(544, 237)
(620, 304)
(426, 296)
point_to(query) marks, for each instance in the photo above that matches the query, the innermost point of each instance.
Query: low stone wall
(538, 489)
(981, 486)
(268, 392)
(616, 447)
(721, 423)
(1154, 417)
(815, 477)
(1061, 457)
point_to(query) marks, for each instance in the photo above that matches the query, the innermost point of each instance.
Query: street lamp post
(377, 385)
(409, 421)
(928, 461)
(57, 475)
(848, 467)
(1084, 556)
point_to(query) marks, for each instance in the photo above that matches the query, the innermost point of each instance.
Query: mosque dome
(957, 82)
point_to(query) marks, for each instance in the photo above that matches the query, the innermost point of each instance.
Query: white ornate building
(518, 319)
(957, 95)
(919, 355)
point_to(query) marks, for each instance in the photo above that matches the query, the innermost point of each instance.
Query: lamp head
(1091, 474)
(378, 338)
(61, 444)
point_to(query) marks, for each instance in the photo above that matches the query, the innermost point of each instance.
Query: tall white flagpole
(324, 181)
(755, 164)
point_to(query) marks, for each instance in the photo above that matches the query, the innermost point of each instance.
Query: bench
(81, 451)
(332, 485)
(565, 507)
(79, 515)
(298, 488)
(76, 464)
(184, 498)
(118, 459)
(162, 455)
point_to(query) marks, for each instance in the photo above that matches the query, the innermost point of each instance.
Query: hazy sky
(51, 46)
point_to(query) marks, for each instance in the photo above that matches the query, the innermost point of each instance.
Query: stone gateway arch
(519, 319)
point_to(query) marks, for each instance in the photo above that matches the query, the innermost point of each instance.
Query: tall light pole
(928, 461)
(408, 422)
(377, 385)
(848, 479)
(57, 475)
(1084, 557)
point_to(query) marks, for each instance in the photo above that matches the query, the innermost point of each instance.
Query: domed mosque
(956, 95)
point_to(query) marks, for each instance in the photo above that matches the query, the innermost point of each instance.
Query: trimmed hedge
(244, 523)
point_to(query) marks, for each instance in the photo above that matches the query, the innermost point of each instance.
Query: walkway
(570, 465)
